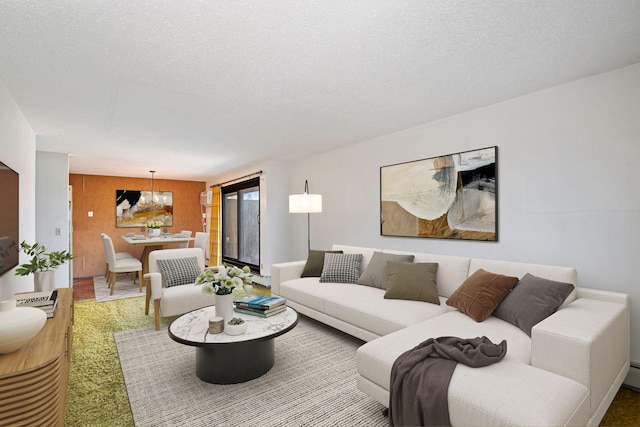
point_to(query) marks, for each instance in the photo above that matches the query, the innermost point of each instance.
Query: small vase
(18, 325)
(224, 307)
(44, 281)
(154, 232)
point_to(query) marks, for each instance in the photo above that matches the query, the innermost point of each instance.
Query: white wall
(568, 192)
(18, 151)
(52, 207)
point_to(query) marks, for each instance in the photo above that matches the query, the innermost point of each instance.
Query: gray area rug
(312, 383)
(124, 288)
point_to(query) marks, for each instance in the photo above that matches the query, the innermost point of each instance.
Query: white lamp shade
(305, 203)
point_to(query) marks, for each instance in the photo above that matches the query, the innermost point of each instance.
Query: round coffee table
(231, 359)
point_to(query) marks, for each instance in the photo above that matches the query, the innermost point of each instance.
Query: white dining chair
(202, 241)
(124, 265)
(185, 233)
(119, 255)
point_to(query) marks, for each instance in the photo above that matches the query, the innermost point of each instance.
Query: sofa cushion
(532, 300)
(376, 272)
(365, 308)
(412, 281)
(179, 271)
(375, 358)
(452, 270)
(308, 291)
(341, 268)
(367, 253)
(315, 263)
(481, 293)
(519, 269)
(182, 299)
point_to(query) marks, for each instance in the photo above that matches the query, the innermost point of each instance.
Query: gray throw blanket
(420, 377)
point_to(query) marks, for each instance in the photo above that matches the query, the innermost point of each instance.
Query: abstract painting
(135, 207)
(448, 197)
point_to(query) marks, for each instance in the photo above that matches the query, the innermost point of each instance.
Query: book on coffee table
(260, 302)
(259, 312)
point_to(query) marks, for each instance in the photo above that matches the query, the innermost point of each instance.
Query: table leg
(234, 363)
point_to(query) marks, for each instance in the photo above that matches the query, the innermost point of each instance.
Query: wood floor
(83, 288)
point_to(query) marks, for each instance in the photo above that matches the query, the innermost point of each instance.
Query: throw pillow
(179, 271)
(531, 301)
(315, 262)
(481, 293)
(341, 268)
(412, 281)
(375, 274)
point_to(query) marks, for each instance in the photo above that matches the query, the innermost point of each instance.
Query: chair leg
(112, 281)
(147, 297)
(106, 271)
(156, 313)
(139, 280)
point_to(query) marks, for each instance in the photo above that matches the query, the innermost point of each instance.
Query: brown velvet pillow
(315, 263)
(481, 293)
(412, 281)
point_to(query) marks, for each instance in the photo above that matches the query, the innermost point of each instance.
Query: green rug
(97, 395)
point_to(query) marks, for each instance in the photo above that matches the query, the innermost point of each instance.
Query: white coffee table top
(193, 328)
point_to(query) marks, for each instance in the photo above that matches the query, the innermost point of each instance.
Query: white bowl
(18, 325)
(235, 329)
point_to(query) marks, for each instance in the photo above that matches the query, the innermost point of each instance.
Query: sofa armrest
(156, 285)
(284, 271)
(587, 341)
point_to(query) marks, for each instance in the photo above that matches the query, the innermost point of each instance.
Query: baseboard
(633, 377)
(261, 280)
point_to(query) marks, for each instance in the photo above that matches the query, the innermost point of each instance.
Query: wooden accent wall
(98, 194)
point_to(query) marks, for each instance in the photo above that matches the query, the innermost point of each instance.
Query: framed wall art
(449, 197)
(135, 207)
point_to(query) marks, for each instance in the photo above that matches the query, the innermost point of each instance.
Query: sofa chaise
(562, 370)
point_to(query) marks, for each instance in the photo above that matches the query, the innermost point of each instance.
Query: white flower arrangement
(154, 224)
(225, 281)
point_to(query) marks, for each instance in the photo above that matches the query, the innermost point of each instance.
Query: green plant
(41, 260)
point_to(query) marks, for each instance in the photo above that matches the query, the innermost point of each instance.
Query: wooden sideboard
(34, 379)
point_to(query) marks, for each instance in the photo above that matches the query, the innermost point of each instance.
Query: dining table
(149, 245)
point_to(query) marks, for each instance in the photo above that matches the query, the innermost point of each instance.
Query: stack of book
(263, 306)
(45, 301)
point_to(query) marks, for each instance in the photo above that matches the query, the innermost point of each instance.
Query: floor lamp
(306, 203)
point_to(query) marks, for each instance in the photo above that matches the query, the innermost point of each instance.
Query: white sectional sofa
(566, 373)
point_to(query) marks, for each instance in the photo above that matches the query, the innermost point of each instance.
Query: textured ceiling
(193, 89)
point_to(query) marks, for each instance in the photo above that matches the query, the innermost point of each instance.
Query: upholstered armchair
(172, 275)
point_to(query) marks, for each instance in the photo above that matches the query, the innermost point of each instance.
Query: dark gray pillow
(412, 281)
(341, 268)
(179, 271)
(375, 274)
(315, 262)
(531, 301)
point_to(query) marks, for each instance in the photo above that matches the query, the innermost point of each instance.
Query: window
(241, 224)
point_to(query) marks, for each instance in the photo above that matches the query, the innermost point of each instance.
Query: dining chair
(185, 233)
(119, 255)
(202, 241)
(124, 265)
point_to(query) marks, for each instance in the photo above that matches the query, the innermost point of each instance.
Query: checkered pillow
(341, 268)
(179, 271)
